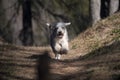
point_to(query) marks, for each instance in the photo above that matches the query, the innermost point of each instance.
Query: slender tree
(26, 34)
(95, 10)
(102, 8)
(104, 11)
(114, 6)
(119, 5)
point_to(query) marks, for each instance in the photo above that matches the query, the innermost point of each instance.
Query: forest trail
(21, 64)
(93, 55)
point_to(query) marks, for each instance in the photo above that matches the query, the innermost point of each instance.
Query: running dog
(59, 38)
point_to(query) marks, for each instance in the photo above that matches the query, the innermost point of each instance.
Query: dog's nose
(59, 32)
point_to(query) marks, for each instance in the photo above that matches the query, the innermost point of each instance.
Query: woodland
(94, 40)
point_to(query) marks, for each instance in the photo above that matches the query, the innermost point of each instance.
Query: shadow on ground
(100, 64)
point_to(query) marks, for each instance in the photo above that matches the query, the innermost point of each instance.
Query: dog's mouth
(60, 35)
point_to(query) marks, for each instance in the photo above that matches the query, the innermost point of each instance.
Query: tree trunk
(27, 33)
(119, 5)
(95, 10)
(114, 6)
(6, 19)
(105, 4)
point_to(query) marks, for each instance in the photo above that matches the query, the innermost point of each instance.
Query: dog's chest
(61, 43)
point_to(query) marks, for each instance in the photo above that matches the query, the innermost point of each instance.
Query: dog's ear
(49, 25)
(68, 23)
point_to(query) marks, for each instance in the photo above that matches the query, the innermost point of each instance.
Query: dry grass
(105, 32)
(94, 55)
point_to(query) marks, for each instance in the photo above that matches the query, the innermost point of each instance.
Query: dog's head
(58, 29)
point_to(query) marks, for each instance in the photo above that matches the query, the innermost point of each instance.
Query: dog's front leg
(57, 48)
(57, 56)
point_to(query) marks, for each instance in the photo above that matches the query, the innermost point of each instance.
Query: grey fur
(59, 38)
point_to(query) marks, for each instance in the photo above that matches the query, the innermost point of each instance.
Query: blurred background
(94, 40)
(23, 22)
(34, 14)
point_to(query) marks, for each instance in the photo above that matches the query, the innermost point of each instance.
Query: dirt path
(27, 64)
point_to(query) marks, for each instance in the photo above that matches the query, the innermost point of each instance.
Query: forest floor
(94, 55)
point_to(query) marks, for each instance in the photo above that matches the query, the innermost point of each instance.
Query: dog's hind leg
(57, 56)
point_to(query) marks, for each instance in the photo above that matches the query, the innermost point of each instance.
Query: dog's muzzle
(60, 34)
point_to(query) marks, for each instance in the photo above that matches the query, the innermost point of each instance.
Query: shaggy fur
(59, 38)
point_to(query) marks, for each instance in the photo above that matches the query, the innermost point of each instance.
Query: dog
(59, 38)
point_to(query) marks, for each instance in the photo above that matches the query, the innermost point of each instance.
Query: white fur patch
(59, 39)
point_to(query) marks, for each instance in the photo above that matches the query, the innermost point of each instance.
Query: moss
(116, 32)
(74, 46)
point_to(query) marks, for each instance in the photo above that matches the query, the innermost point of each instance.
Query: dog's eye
(63, 27)
(56, 28)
